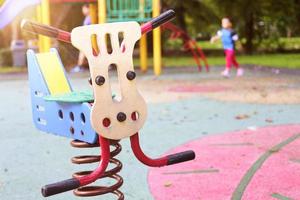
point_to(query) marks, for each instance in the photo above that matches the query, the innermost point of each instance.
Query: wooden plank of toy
(111, 118)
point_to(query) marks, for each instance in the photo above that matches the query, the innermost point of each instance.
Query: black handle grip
(181, 157)
(59, 187)
(163, 18)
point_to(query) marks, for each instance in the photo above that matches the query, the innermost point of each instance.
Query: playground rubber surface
(248, 164)
(265, 133)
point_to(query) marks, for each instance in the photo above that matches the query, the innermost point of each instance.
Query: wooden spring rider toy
(93, 119)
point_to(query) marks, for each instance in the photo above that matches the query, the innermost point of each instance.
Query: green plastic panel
(129, 10)
(72, 97)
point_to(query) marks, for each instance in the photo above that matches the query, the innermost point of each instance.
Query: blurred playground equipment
(103, 11)
(188, 43)
(93, 119)
(11, 8)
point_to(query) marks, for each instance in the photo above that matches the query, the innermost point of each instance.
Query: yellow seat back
(53, 73)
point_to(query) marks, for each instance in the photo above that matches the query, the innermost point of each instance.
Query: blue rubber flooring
(30, 159)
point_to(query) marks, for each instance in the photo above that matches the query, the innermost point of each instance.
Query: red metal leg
(105, 156)
(203, 57)
(192, 50)
(159, 162)
(74, 183)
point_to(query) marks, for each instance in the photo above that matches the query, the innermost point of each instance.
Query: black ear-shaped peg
(130, 75)
(100, 80)
(121, 117)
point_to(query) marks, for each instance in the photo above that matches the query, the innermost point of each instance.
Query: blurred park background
(183, 105)
(269, 31)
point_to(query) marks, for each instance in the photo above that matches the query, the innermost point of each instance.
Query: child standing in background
(81, 58)
(228, 37)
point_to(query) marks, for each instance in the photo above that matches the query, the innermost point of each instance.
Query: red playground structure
(189, 44)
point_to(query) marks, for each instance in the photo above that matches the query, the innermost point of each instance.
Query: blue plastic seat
(50, 90)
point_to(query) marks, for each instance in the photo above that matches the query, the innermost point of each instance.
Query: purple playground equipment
(11, 8)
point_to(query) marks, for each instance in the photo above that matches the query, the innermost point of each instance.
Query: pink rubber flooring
(252, 165)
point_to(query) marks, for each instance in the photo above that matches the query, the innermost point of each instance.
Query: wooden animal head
(111, 118)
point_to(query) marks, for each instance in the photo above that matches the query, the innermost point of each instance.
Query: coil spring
(88, 191)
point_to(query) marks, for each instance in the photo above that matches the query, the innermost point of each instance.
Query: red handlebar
(64, 36)
(158, 21)
(42, 29)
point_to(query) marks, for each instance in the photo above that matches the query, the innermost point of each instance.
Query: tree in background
(193, 16)
(258, 22)
(245, 14)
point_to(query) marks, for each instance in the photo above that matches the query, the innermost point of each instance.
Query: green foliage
(260, 24)
(193, 16)
(291, 61)
(290, 43)
(177, 44)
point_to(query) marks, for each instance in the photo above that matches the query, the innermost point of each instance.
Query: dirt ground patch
(264, 88)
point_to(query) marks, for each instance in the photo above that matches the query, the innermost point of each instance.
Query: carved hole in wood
(106, 122)
(108, 43)
(114, 82)
(134, 115)
(94, 44)
(121, 41)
